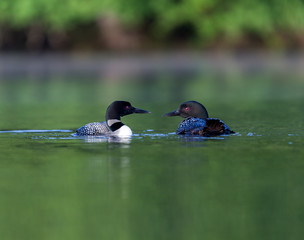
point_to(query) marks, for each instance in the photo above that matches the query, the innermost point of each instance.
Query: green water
(156, 185)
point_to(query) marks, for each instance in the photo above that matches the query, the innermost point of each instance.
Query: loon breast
(204, 127)
(123, 131)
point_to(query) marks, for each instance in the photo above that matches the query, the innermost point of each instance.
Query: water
(154, 185)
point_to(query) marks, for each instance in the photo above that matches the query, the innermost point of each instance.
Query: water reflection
(113, 172)
(106, 139)
(120, 66)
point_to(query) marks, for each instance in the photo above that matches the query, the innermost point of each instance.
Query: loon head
(189, 109)
(119, 109)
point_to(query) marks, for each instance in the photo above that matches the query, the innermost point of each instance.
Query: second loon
(197, 121)
(113, 125)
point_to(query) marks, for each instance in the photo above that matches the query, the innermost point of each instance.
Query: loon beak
(137, 110)
(172, 114)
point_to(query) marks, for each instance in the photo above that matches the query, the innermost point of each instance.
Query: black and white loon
(197, 121)
(113, 125)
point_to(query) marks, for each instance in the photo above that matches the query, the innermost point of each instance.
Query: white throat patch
(110, 122)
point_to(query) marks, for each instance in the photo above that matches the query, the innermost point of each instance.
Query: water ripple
(36, 131)
(143, 136)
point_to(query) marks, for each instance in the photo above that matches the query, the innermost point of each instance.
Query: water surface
(155, 185)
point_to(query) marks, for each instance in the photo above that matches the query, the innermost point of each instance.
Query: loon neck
(113, 118)
(114, 124)
(111, 114)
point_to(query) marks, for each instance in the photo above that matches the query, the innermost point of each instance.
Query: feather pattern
(94, 128)
(204, 127)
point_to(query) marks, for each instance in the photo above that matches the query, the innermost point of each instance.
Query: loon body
(197, 121)
(113, 125)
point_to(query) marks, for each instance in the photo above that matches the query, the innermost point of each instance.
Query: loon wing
(204, 127)
(214, 127)
(95, 128)
(189, 124)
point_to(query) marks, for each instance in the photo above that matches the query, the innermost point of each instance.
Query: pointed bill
(172, 114)
(137, 110)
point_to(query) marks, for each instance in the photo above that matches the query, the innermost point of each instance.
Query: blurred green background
(137, 24)
(54, 185)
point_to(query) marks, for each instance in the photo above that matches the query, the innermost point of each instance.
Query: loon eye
(187, 108)
(127, 107)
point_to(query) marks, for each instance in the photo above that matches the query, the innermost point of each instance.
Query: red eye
(187, 108)
(127, 107)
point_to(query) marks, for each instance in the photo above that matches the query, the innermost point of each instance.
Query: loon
(113, 125)
(197, 121)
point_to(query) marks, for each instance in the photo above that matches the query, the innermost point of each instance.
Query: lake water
(156, 185)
